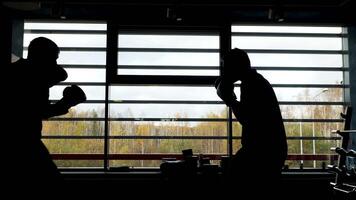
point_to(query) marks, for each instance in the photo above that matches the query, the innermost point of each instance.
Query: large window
(162, 100)
(169, 112)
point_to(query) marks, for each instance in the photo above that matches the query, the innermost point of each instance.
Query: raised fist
(73, 95)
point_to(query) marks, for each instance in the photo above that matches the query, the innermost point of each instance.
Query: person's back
(27, 97)
(263, 135)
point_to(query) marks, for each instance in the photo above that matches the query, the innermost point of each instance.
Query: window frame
(116, 79)
(225, 36)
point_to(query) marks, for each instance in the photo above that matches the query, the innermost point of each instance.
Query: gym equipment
(344, 186)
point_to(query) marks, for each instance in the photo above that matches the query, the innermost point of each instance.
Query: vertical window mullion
(225, 46)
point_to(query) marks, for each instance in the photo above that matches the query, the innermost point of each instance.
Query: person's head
(236, 65)
(43, 54)
(42, 50)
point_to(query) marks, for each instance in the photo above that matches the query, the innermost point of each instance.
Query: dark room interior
(144, 84)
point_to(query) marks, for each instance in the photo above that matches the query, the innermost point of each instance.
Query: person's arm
(56, 109)
(72, 96)
(235, 107)
(225, 90)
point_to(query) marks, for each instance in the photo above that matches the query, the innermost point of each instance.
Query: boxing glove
(225, 90)
(73, 95)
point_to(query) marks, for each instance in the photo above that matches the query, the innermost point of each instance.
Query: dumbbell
(351, 153)
(335, 169)
(339, 151)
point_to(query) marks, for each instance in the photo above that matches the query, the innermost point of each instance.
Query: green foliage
(178, 128)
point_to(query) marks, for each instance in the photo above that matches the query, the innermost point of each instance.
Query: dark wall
(17, 37)
(5, 36)
(293, 186)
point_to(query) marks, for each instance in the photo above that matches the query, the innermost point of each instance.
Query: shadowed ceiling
(191, 11)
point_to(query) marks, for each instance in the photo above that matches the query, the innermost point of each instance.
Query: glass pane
(302, 77)
(70, 40)
(295, 60)
(323, 146)
(286, 29)
(163, 93)
(310, 146)
(309, 94)
(85, 75)
(168, 72)
(134, 163)
(309, 129)
(82, 58)
(168, 128)
(169, 41)
(74, 128)
(168, 59)
(79, 58)
(293, 164)
(165, 110)
(79, 163)
(64, 26)
(305, 94)
(294, 147)
(311, 111)
(287, 43)
(168, 146)
(74, 145)
(87, 109)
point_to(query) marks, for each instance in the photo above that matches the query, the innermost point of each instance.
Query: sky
(210, 59)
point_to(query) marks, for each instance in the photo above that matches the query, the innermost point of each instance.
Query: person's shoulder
(19, 69)
(262, 83)
(20, 62)
(261, 78)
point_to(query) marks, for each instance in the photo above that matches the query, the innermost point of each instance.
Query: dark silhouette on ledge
(28, 104)
(264, 146)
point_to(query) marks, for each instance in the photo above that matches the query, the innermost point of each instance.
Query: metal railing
(161, 156)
